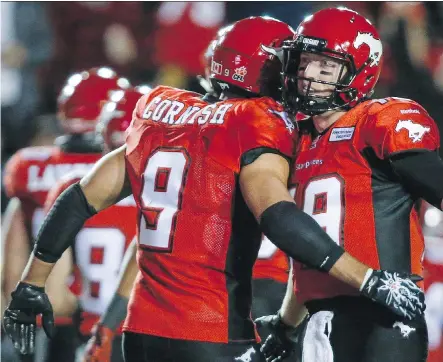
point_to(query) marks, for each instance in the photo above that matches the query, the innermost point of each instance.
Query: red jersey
(432, 221)
(98, 251)
(197, 239)
(32, 171)
(343, 179)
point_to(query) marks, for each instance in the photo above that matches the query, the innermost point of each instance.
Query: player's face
(321, 68)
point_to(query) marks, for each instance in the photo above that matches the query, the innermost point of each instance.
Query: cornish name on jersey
(175, 112)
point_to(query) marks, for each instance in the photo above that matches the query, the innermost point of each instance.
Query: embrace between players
(209, 174)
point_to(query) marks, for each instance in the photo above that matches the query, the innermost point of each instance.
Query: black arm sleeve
(299, 236)
(61, 225)
(421, 173)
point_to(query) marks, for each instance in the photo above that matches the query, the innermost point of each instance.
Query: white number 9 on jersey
(164, 179)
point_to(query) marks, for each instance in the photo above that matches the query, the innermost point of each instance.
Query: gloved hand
(283, 338)
(19, 319)
(99, 346)
(396, 291)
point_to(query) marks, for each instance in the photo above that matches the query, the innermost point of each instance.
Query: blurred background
(163, 42)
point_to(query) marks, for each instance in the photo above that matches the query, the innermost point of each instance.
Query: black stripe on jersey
(250, 156)
(392, 206)
(242, 252)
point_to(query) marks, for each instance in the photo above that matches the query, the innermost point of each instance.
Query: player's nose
(312, 70)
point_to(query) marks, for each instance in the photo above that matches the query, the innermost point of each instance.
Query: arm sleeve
(400, 127)
(299, 236)
(421, 173)
(61, 225)
(57, 190)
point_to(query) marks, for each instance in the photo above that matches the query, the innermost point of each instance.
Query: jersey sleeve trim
(250, 156)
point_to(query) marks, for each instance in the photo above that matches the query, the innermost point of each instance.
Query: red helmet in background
(116, 116)
(82, 97)
(241, 58)
(344, 35)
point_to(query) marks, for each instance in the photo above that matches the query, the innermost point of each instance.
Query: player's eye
(328, 63)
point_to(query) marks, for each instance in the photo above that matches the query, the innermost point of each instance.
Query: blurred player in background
(33, 171)
(99, 247)
(432, 224)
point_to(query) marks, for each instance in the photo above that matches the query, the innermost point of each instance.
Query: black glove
(283, 339)
(397, 291)
(19, 319)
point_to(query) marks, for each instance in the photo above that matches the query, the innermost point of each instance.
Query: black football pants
(146, 348)
(351, 329)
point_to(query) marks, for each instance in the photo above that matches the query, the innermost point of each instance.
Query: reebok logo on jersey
(409, 111)
(415, 130)
(341, 134)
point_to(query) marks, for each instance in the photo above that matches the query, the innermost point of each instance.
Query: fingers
(48, 323)
(272, 350)
(23, 340)
(27, 339)
(264, 321)
(32, 338)
(416, 278)
(261, 321)
(22, 335)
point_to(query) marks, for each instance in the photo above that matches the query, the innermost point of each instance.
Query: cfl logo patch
(239, 74)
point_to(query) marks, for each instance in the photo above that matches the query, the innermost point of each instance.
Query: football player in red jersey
(99, 247)
(270, 273)
(32, 171)
(359, 167)
(207, 179)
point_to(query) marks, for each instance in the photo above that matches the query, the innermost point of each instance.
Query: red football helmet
(116, 115)
(82, 97)
(241, 56)
(341, 34)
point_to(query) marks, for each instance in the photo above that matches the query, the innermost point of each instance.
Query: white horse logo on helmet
(416, 131)
(375, 47)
